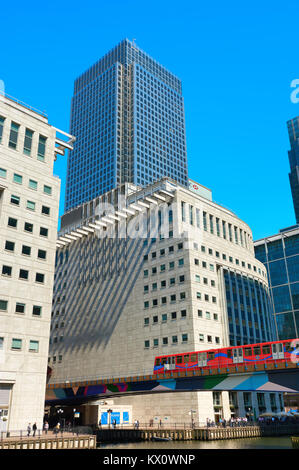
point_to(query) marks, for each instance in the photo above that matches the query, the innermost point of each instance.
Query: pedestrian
(100, 424)
(56, 429)
(46, 427)
(34, 428)
(28, 430)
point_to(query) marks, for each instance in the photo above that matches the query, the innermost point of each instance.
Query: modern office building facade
(29, 199)
(293, 130)
(128, 118)
(280, 255)
(152, 271)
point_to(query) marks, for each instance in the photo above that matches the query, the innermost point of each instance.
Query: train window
(186, 358)
(157, 362)
(256, 351)
(247, 352)
(193, 358)
(289, 347)
(164, 360)
(266, 349)
(229, 353)
(179, 360)
(211, 355)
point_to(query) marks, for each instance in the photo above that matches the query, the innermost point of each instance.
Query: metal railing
(42, 433)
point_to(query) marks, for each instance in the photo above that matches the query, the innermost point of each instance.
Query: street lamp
(109, 414)
(192, 420)
(60, 413)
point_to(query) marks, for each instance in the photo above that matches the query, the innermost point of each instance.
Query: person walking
(46, 427)
(34, 428)
(28, 430)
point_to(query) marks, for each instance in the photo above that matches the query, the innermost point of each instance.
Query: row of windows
(171, 265)
(13, 140)
(17, 344)
(165, 341)
(172, 298)
(171, 249)
(23, 273)
(164, 317)
(30, 205)
(28, 227)
(214, 225)
(174, 316)
(20, 307)
(32, 184)
(163, 284)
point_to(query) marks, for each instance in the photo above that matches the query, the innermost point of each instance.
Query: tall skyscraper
(128, 118)
(293, 129)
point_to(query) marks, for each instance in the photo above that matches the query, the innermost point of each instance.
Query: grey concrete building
(142, 272)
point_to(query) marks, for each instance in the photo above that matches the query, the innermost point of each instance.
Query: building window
(30, 205)
(184, 338)
(26, 250)
(199, 313)
(24, 274)
(17, 178)
(146, 344)
(12, 222)
(13, 136)
(16, 344)
(39, 278)
(201, 338)
(10, 246)
(43, 232)
(32, 184)
(15, 200)
(20, 308)
(174, 340)
(3, 172)
(28, 142)
(2, 119)
(173, 315)
(3, 305)
(36, 310)
(28, 227)
(6, 270)
(33, 346)
(42, 254)
(41, 151)
(47, 189)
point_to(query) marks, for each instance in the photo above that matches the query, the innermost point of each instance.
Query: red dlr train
(271, 352)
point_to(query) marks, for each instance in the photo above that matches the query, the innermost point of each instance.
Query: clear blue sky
(236, 61)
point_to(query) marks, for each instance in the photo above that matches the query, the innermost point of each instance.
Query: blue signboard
(125, 416)
(104, 418)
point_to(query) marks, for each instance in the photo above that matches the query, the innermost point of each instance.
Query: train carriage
(270, 352)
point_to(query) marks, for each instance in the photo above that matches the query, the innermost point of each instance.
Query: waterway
(250, 443)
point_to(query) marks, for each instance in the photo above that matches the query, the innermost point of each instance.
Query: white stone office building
(29, 200)
(121, 299)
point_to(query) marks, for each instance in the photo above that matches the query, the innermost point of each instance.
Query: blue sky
(236, 61)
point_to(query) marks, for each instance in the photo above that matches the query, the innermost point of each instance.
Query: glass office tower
(128, 118)
(293, 130)
(280, 255)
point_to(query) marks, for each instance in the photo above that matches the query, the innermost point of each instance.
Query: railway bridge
(274, 377)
